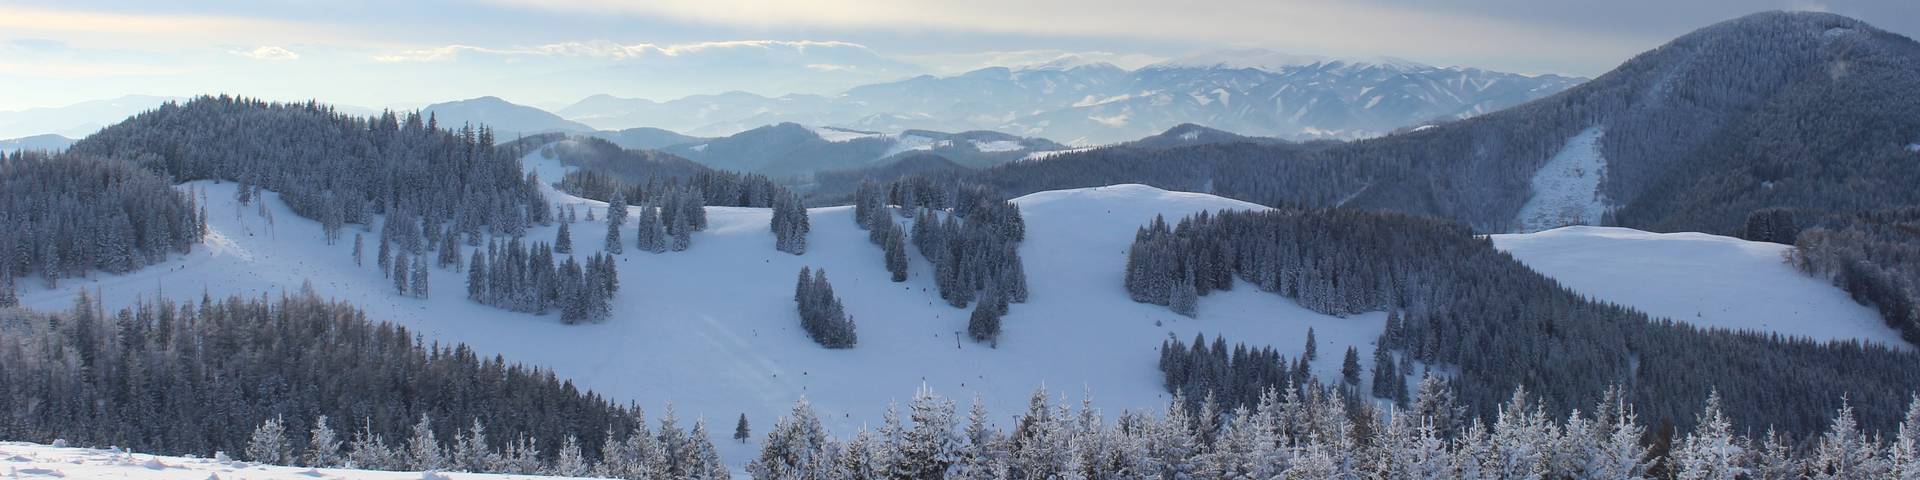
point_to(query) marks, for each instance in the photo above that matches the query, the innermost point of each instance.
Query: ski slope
(1700, 279)
(1566, 190)
(714, 329)
(27, 460)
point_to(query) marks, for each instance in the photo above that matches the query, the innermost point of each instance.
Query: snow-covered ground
(714, 329)
(1700, 279)
(1566, 191)
(1054, 153)
(27, 460)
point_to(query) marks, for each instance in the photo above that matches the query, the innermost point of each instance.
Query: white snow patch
(713, 329)
(908, 143)
(28, 460)
(1190, 135)
(699, 148)
(1566, 190)
(997, 146)
(1053, 153)
(836, 135)
(1913, 147)
(1699, 279)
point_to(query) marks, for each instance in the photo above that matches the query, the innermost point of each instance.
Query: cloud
(611, 50)
(268, 52)
(1348, 28)
(952, 63)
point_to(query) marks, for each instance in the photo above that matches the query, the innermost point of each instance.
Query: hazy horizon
(549, 54)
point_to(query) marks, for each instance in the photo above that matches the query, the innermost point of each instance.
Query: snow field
(1699, 279)
(713, 330)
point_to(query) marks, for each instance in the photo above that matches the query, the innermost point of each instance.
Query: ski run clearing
(714, 331)
(1566, 190)
(27, 460)
(1704, 280)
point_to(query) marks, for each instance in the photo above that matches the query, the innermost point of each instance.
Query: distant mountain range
(76, 120)
(1782, 110)
(787, 149)
(1254, 92)
(47, 142)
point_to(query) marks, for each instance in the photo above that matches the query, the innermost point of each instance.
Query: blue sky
(552, 52)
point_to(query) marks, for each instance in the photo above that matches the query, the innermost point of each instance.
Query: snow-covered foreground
(27, 460)
(1700, 279)
(714, 329)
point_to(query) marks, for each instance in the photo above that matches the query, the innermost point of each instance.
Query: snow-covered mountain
(794, 149)
(49, 142)
(1186, 134)
(507, 119)
(715, 328)
(1254, 92)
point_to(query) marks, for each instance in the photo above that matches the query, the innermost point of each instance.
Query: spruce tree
(402, 270)
(420, 272)
(740, 431)
(323, 446)
(1350, 368)
(896, 253)
(563, 241)
(268, 445)
(356, 249)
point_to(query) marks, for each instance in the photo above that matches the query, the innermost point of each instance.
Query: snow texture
(1699, 279)
(832, 134)
(997, 146)
(1566, 191)
(714, 329)
(27, 460)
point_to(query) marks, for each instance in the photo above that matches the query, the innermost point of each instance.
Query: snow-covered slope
(1700, 279)
(714, 330)
(1566, 191)
(27, 460)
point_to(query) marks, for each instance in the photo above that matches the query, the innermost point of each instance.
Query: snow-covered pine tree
(423, 451)
(569, 461)
(477, 277)
(323, 446)
(896, 253)
(563, 241)
(357, 249)
(418, 287)
(402, 273)
(269, 444)
(1710, 451)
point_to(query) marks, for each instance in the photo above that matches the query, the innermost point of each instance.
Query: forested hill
(1803, 110)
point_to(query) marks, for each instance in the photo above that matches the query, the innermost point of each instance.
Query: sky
(550, 53)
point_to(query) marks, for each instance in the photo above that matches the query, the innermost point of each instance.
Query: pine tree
(896, 253)
(369, 451)
(356, 249)
(323, 447)
(419, 283)
(1313, 347)
(477, 270)
(569, 461)
(1350, 368)
(402, 273)
(470, 451)
(614, 245)
(1710, 451)
(423, 451)
(1903, 454)
(268, 445)
(384, 259)
(563, 241)
(1845, 452)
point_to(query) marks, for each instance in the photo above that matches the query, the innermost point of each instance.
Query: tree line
(198, 377)
(66, 215)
